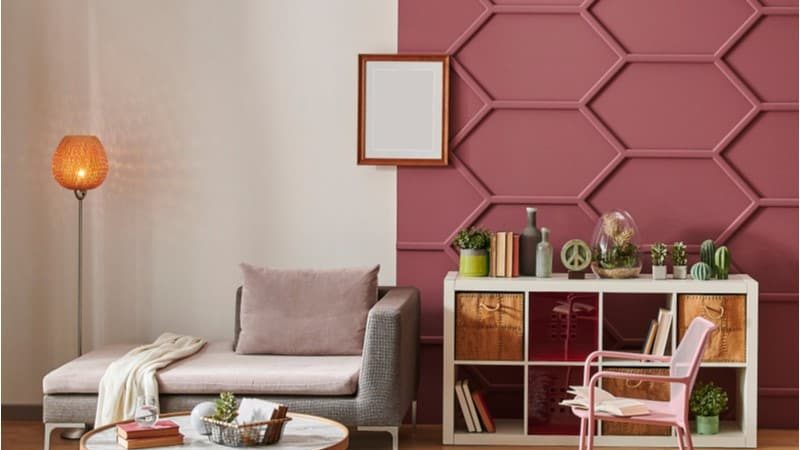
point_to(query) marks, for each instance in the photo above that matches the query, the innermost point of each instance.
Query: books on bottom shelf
(504, 254)
(474, 408)
(164, 433)
(605, 402)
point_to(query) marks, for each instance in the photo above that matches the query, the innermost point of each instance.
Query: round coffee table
(303, 432)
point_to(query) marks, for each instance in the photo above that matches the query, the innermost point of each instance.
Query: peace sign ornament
(576, 257)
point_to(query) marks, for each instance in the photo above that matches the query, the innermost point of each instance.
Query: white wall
(230, 129)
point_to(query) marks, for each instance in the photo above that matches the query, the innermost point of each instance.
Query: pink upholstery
(218, 368)
(683, 367)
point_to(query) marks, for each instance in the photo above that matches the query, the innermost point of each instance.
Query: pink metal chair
(683, 367)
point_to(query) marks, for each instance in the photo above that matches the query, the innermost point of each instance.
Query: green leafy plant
(658, 253)
(473, 238)
(679, 254)
(226, 408)
(708, 400)
(620, 251)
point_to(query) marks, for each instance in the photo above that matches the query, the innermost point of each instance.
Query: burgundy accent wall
(682, 112)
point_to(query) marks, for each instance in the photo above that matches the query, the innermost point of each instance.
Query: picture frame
(403, 109)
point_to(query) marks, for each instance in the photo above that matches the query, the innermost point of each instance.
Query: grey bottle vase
(528, 240)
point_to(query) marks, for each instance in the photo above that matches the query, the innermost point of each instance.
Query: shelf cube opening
(563, 326)
(547, 387)
(501, 388)
(627, 319)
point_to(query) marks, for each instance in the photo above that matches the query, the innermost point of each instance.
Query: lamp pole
(80, 194)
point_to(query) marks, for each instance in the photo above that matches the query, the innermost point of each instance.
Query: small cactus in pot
(658, 254)
(679, 261)
(701, 271)
(707, 251)
(722, 262)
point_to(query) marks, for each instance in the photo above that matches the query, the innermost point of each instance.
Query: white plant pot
(659, 272)
(679, 272)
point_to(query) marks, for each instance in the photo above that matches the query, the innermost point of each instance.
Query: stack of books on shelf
(504, 254)
(473, 407)
(658, 334)
(162, 434)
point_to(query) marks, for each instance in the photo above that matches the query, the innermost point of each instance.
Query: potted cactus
(658, 254)
(679, 261)
(707, 401)
(474, 255)
(707, 251)
(722, 262)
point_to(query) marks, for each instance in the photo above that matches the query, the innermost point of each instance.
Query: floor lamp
(79, 164)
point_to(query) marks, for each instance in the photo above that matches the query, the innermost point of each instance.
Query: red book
(131, 430)
(483, 411)
(515, 263)
(151, 442)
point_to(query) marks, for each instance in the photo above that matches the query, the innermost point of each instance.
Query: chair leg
(582, 438)
(590, 435)
(414, 415)
(687, 433)
(393, 431)
(679, 432)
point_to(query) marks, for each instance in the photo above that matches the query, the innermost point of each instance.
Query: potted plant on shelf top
(474, 257)
(658, 254)
(679, 261)
(708, 400)
(615, 253)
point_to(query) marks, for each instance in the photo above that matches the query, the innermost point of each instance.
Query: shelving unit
(739, 433)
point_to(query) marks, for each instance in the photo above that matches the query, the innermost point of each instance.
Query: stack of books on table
(163, 433)
(474, 408)
(504, 254)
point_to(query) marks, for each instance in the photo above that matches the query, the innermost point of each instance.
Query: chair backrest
(686, 360)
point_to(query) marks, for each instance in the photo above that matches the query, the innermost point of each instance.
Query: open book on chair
(605, 402)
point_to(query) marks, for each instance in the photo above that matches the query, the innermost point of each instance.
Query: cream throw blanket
(134, 375)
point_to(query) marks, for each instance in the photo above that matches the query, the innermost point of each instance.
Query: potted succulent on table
(708, 400)
(474, 256)
(679, 261)
(658, 254)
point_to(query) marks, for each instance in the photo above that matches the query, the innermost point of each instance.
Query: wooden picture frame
(403, 109)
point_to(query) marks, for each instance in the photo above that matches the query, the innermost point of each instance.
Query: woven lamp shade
(80, 163)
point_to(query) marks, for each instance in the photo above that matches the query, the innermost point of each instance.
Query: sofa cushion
(217, 368)
(305, 312)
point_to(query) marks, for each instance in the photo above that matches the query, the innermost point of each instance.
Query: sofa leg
(414, 415)
(394, 431)
(49, 427)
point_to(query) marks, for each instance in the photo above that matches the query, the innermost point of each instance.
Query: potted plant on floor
(679, 261)
(708, 400)
(474, 256)
(658, 254)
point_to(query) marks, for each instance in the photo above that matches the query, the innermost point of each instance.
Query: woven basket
(231, 434)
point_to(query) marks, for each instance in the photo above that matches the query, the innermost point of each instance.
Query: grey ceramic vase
(528, 240)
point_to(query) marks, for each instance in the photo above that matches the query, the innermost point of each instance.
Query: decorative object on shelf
(528, 240)
(576, 257)
(707, 251)
(615, 253)
(403, 109)
(679, 261)
(474, 255)
(707, 402)
(198, 412)
(727, 312)
(490, 326)
(722, 262)
(79, 164)
(701, 271)
(658, 255)
(544, 256)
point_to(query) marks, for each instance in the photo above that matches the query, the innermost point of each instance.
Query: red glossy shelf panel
(563, 326)
(547, 387)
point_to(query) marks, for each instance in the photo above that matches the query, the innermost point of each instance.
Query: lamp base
(73, 434)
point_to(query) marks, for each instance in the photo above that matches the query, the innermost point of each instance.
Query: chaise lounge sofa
(372, 391)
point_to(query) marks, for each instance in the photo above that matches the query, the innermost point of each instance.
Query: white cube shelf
(740, 433)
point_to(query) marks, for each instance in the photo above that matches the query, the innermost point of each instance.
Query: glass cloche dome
(615, 249)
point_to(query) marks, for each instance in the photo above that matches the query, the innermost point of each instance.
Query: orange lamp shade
(80, 163)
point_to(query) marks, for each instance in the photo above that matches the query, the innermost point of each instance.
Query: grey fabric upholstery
(386, 387)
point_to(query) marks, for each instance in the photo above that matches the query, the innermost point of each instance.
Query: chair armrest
(620, 355)
(389, 372)
(627, 376)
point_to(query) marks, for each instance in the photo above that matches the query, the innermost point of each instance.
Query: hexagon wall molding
(500, 110)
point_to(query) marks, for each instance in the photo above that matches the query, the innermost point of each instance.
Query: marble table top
(303, 432)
